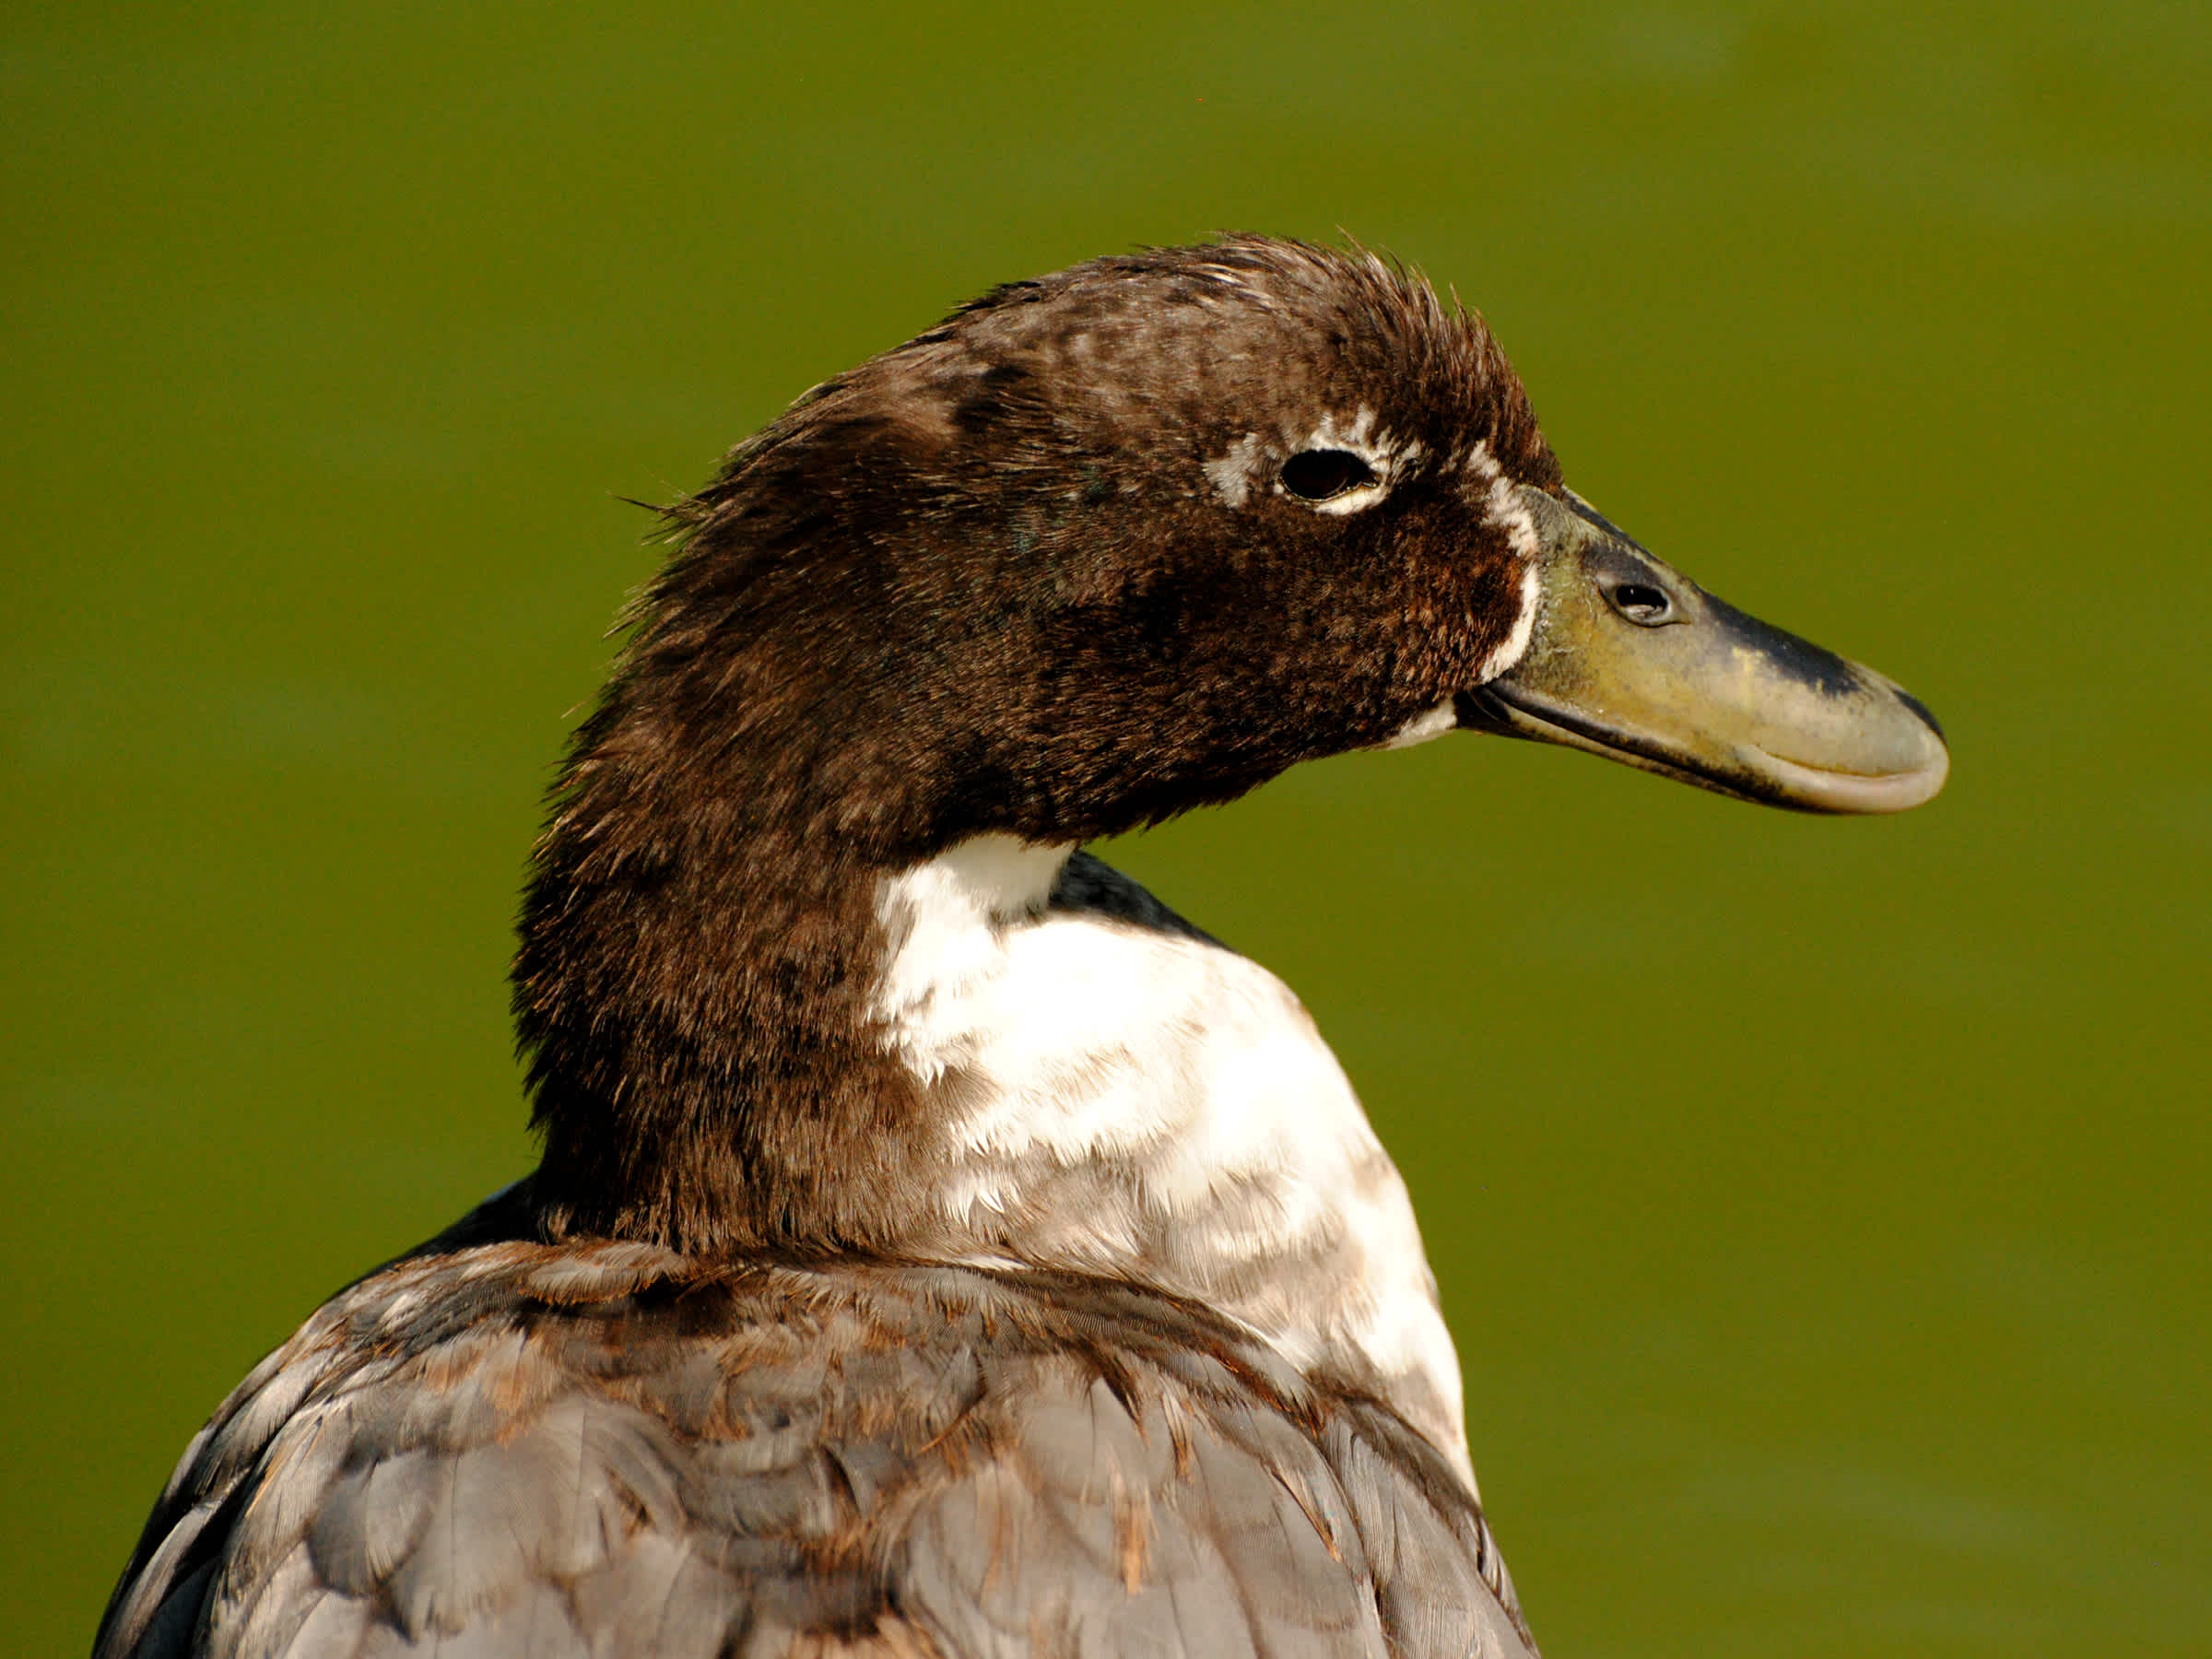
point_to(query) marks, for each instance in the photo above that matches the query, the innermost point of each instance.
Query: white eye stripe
(1254, 463)
(1388, 457)
(1351, 501)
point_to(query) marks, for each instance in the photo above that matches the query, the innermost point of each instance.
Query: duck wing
(608, 1450)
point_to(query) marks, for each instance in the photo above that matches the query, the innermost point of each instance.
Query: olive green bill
(1632, 660)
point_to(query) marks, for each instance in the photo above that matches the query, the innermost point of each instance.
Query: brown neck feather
(699, 946)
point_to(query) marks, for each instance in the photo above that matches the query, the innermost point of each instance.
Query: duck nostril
(1641, 602)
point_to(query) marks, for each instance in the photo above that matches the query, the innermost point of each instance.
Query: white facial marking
(1232, 474)
(1128, 1100)
(1502, 506)
(1443, 718)
(1387, 456)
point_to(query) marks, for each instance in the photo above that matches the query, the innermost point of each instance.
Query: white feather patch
(1178, 1096)
(1503, 507)
(1387, 456)
(1443, 718)
(1248, 462)
(1232, 474)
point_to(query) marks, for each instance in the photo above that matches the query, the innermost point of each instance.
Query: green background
(1819, 1205)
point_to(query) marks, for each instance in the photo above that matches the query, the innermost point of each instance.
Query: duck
(940, 1248)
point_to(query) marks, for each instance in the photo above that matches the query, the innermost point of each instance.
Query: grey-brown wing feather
(516, 1450)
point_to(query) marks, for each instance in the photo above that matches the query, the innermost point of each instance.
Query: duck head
(1102, 546)
(1142, 534)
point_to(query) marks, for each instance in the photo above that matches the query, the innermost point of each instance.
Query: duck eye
(1319, 475)
(1640, 602)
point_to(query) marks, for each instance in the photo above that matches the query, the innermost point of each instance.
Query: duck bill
(1629, 659)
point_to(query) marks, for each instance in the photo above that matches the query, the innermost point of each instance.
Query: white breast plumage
(1133, 1099)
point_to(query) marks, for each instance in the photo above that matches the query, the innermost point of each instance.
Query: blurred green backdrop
(1820, 1206)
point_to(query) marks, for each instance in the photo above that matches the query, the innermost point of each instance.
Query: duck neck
(987, 1054)
(694, 990)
